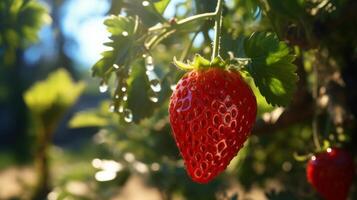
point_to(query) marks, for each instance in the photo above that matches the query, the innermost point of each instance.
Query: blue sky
(82, 22)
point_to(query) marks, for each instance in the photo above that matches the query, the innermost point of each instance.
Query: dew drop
(145, 3)
(121, 109)
(155, 85)
(151, 75)
(116, 66)
(149, 67)
(103, 87)
(125, 97)
(149, 63)
(173, 87)
(111, 108)
(154, 99)
(153, 96)
(125, 33)
(128, 115)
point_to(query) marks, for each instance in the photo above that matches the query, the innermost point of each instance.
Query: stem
(197, 17)
(315, 136)
(42, 161)
(183, 21)
(168, 29)
(217, 27)
(163, 37)
(158, 27)
(154, 39)
(315, 126)
(160, 37)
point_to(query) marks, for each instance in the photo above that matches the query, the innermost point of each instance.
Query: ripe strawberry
(212, 112)
(331, 173)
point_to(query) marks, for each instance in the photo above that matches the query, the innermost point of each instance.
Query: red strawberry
(212, 112)
(331, 173)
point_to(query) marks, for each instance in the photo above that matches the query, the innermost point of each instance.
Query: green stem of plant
(197, 17)
(315, 133)
(315, 126)
(159, 38)
(217, 27)
(42, 186)
(169, 29)
(183, 21)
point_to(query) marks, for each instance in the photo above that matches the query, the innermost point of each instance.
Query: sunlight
(83, 21)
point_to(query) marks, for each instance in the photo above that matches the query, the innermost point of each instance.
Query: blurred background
(60, 140)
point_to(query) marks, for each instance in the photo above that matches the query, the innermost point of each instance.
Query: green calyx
(200, 63)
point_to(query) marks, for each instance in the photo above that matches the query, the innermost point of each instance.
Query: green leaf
(57, 91)
(160, 6)
(120, 25)
(293, 9)
(271, 67)
(23, 21)
(123, 35)
(88, 119)
(49, 100)
(138, 94)
(182, 65)
(149, 11)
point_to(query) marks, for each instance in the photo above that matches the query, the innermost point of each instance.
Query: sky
(82, 22)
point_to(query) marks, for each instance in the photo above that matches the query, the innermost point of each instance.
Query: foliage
(48, 101)
(299, 54)
(271, 67)
(255, 39)
(53, 95)
(20, 22)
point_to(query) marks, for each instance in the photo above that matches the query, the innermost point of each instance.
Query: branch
(217, 28)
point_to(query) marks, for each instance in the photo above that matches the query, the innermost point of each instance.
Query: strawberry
(212, 112)
(331, 173)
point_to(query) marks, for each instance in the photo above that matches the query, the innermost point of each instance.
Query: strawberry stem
(315, 125)
(217, 27)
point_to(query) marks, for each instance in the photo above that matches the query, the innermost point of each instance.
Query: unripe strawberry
(331, 173)
(212, 112)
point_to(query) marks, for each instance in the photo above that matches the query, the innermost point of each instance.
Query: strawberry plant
(220, 99)
(214, 90)
(261, 72)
